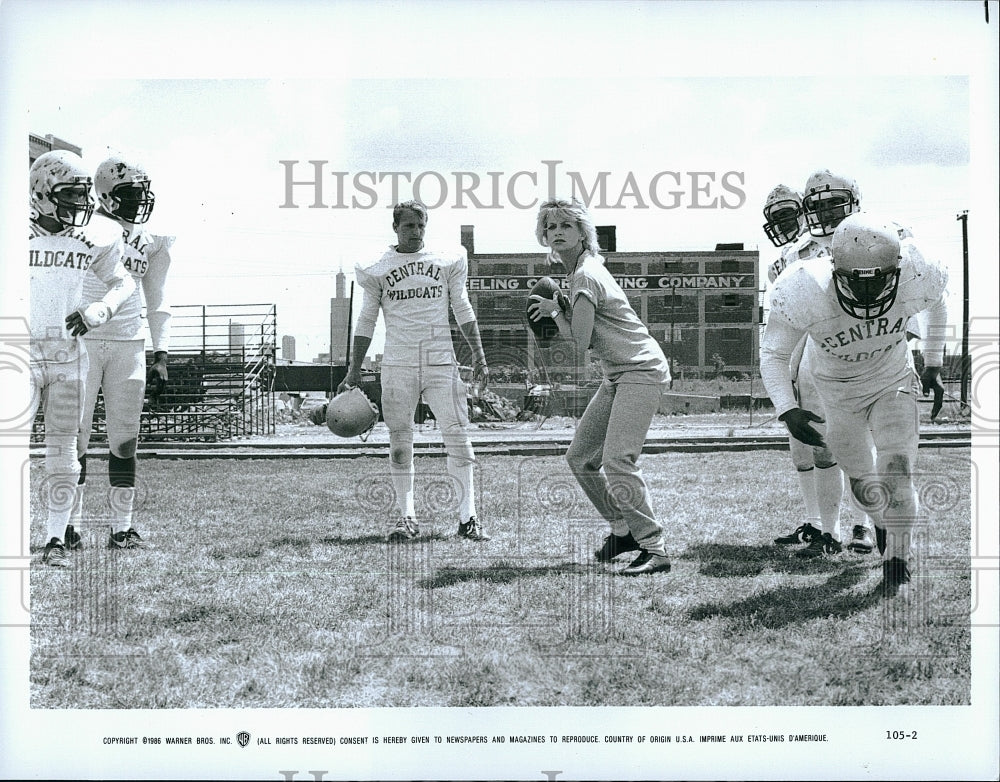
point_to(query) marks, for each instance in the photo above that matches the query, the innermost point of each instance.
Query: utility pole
(965, 368)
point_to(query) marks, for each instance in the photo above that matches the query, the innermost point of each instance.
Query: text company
(311, 184)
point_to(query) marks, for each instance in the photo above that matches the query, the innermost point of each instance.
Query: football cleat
(803, 534)
(895, 578)
(472, 530)
(55, 554)
(404, 529)
(72, 539)
(128, 539)
(861, 540)
(615, 545)
(820, 546)
(647, 562)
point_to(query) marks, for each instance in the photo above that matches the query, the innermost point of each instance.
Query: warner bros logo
(243, 738)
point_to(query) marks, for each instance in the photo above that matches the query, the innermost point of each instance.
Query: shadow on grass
(497, 573)
(777, 608)
(724, 560)
(368, 540)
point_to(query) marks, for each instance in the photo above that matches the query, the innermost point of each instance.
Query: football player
(855, 314)
(64, 245)
(117, 349)
(828, 199)
(414, 287)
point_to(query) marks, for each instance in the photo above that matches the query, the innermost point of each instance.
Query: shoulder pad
(920, 280)
(102, 231)
(798, 291)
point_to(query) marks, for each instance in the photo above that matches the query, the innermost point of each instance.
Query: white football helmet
(865, 265)
(60, 188)
(123, 190)
(828, 199)
(783, 213)
(351, 414)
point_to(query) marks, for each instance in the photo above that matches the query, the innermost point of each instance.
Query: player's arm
(158, 313)
(936, 324)
(109, 269)
(465, 317)
(364, 330)
(780, 340)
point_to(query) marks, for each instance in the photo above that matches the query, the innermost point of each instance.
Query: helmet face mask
(866, 293)
(132, 203)
(124, 190)
(866, 267)
(828, 200)
(784, 222)
(60, 189)
(783, 215)
(73, 204)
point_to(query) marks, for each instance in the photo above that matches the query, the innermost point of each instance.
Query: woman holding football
(611, 433)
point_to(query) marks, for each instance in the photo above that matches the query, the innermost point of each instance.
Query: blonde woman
(611, 433)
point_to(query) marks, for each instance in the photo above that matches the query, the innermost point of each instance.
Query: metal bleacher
(221, 377)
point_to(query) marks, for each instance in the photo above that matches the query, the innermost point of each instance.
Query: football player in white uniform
(64, 244)
(829, 198)
(855, 315)
(117, 350)
(414, 288)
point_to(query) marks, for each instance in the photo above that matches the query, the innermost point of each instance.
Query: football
(544, 329)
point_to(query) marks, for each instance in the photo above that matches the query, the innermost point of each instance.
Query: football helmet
(783, 215)
(123, 189)
(828, 199)
(865, 266)
(60, 188)
(351, 414)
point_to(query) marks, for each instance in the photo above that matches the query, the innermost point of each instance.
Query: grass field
(270, 585)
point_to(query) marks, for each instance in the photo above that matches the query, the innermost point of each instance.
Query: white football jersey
(147, 258)
(852, 360)
(57, 265)
(414, 291)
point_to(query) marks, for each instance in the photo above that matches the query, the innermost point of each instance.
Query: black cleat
(55, 554)
(615, 545)
(129, 539)
(472, 530)
(647, 562)
(861, 540)
(803, 534)
(821, 546)
(895, 578)
(72, 539)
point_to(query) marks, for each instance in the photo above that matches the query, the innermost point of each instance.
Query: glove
(90, 317)
(930, 380)
(157, 376)
(797, 420)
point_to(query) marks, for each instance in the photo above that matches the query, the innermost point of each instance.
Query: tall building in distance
(340, 322)
(288, 347)
(701, 306)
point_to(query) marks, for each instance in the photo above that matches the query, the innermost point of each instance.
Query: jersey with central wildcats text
(853, 360)
(147, 258)
(415, 291)
(57, 265)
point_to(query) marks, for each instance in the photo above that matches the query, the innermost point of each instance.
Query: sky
(214, 147)
(212, 96)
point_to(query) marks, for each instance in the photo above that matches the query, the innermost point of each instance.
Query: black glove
(930, 380)
(157, 376)
(797, 420)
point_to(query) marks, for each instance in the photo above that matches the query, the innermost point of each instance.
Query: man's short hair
(413, 206)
